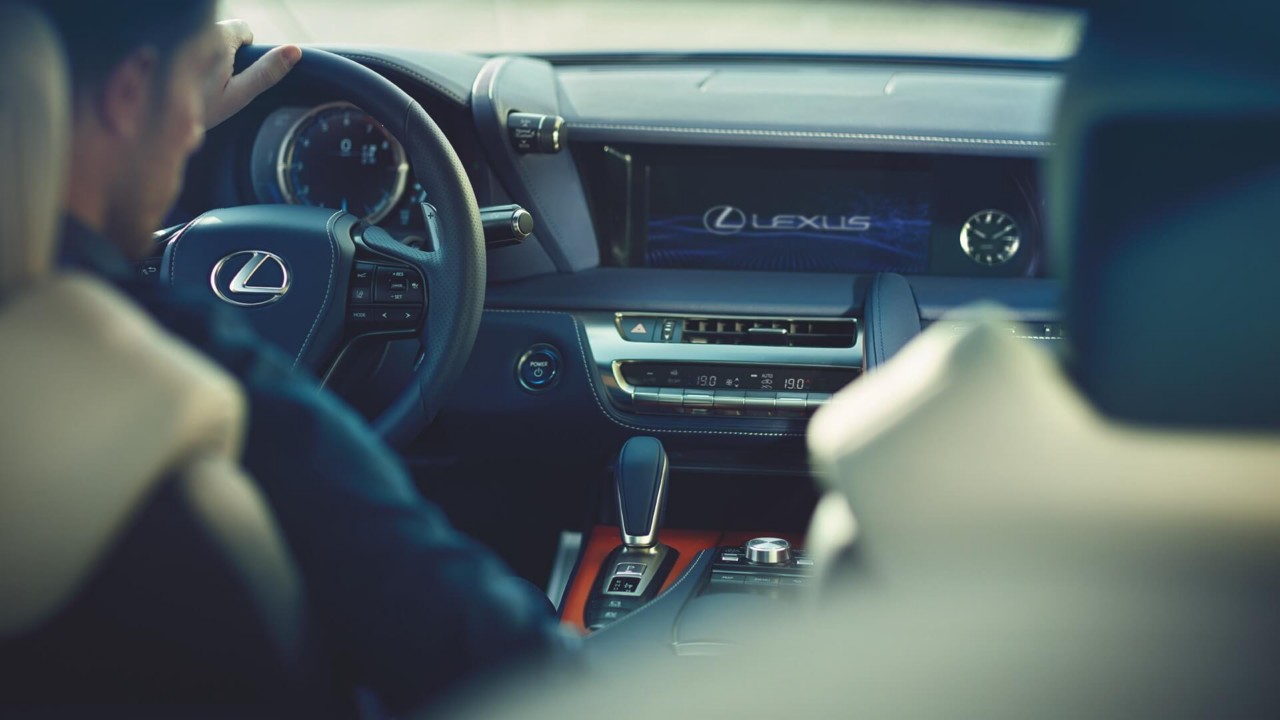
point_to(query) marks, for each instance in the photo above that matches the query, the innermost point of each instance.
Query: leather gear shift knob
(640, 481)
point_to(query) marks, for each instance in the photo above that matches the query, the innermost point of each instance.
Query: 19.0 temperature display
(737, 377)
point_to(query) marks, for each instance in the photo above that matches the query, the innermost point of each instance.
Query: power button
(539, 368)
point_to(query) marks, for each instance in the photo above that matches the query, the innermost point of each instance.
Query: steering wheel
(312, 280)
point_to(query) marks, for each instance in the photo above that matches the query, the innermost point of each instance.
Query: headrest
(34, 120)
(99, 406)
(1164, 189)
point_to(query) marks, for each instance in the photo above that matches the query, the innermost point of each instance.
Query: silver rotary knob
(768, 551)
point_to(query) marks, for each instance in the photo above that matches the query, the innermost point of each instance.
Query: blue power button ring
(538, 370)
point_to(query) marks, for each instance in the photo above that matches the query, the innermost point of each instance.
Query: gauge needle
(979, 233)
(1002, 232)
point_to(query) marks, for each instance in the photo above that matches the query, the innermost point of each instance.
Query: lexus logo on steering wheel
(250, 278)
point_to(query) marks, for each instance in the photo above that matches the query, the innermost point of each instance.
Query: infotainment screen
(811, 219)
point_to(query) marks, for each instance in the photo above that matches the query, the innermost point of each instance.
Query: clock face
(990, 237)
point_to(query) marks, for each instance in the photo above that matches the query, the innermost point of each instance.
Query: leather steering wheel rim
(454, 265)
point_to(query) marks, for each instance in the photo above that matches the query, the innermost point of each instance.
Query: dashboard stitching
(410, 72)
(926, 139)
(683, 576)
(333, 245)
(586, 362)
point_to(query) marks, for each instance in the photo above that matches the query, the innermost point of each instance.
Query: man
(407, 602)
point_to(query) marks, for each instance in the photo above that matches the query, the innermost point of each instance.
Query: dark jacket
(410, 604)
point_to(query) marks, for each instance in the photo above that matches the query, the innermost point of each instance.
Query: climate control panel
(728, 389)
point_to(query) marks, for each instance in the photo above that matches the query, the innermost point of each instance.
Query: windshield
(899, 28)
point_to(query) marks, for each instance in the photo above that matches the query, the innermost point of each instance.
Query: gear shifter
(640, 483)
(634, 572)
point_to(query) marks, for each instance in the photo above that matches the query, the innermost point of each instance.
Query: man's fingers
(260, 76)
(237, 32)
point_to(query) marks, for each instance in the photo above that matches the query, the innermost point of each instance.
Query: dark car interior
(919, 386)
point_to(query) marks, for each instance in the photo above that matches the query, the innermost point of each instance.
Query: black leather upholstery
(1165, 186)
(198, 605)
(892, 318)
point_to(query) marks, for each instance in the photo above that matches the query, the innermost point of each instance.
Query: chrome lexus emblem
(250, 278)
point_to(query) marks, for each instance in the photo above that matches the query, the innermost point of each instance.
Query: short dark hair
(98, 34)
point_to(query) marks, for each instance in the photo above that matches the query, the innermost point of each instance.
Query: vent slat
(770, 332)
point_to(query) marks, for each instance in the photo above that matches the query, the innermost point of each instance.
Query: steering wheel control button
(363, 274)
(397, 285)
(534, 133)
(538, 369)
(768, 551)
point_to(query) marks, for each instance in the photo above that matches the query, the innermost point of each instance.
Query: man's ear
(126, 98)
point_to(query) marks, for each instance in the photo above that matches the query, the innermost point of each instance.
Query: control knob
(768, 551)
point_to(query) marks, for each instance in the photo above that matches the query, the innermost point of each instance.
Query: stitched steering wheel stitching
(595, 395)
(173, 262)
(328, 290)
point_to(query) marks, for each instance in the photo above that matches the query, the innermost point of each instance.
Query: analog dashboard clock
(990, 237)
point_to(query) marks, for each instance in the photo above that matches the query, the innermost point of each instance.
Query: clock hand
(979, 233)
(1002, 232)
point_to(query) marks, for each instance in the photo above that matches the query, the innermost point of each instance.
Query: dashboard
(717, 240)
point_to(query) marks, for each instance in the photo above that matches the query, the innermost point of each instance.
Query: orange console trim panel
(604, 538)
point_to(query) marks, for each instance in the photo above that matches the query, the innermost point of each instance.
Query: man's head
(140, 71)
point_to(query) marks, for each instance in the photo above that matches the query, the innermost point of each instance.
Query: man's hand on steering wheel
(229, 92)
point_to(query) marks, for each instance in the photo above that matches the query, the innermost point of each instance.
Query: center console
(714, 372)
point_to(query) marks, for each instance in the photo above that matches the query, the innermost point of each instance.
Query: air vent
(769, 331)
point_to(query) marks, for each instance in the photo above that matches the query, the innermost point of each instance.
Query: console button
(759, 403)
(816, 400)
(791, 404)
(646, 399)
(638, 329)
(619, 604)
(761, 581)
(624, 584)
(722, 578)
(729, 402)
(539, 368)
(636, 569)
(671, 400)
(698, 402)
